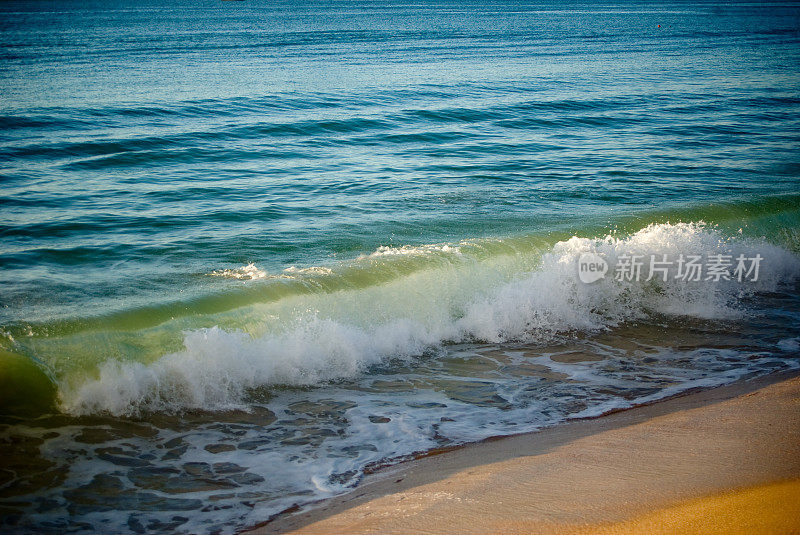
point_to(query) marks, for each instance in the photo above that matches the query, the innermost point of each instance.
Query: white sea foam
(248, 272)
(553, 299)
(414, 250)
(324, 337)
(313, 270)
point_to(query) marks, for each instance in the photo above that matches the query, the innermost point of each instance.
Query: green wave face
(430, 294)
(26, 387)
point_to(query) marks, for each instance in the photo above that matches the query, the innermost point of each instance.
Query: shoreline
(587, 472)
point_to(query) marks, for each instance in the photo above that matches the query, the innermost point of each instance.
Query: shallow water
(251, 249)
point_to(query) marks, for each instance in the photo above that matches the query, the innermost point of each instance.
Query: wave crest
(403, 318)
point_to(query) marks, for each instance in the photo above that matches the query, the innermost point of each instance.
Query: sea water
(251, 250)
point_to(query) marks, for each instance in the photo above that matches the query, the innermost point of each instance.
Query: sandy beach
(726, 460)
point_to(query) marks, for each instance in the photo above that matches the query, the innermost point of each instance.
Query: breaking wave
(314, 338)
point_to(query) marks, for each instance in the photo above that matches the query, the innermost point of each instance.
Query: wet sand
(725, 460)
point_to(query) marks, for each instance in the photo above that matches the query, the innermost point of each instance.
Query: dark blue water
(145, 143)
(332, 213)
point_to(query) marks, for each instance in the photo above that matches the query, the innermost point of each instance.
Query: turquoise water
(251, 249)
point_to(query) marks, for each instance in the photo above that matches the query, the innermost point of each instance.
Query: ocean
(254, 250)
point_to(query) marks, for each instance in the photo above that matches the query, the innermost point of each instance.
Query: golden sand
(721, 461)
(770, 509)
